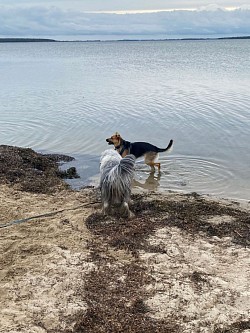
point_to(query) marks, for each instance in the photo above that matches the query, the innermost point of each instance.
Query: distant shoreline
(25, 40)
(42, 40)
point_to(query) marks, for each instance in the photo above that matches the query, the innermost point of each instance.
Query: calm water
(69, 97)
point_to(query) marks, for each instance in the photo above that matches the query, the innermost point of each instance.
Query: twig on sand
(238, 233)
(45, 215)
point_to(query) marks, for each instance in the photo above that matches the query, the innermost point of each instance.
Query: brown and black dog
(138, 149)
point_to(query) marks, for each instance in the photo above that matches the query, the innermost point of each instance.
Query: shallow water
(69, 97)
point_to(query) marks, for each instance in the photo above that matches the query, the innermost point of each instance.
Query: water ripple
(185, 173)
(69, 97)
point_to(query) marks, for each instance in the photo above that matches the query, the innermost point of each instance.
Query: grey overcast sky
(84, 19)
(120, 5)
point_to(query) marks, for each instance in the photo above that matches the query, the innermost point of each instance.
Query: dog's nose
(107, 140)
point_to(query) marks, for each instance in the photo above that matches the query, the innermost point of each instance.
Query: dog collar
(125, 145)
(122, 151)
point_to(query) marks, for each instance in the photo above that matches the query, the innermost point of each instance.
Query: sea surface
(68, 97)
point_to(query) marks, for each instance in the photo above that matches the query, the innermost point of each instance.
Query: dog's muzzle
(109, 141)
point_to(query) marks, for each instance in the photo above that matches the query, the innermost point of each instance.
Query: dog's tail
(127, 165)
(170, 145)
(119, 172)
(121, 176)
(116, 182)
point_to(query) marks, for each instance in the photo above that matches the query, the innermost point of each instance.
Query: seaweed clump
(30, 171)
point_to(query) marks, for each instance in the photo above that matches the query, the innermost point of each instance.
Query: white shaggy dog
(116, 177)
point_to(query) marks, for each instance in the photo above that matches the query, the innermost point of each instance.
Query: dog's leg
(125, 210)
(158, 165)
(152, 167)
(150, 158)
(105, 208)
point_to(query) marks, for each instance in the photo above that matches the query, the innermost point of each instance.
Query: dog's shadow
(151, 183)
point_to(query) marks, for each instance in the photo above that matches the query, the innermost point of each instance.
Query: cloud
(111, 5)
(52, 21)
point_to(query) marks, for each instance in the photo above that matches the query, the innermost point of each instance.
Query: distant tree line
(24, 40)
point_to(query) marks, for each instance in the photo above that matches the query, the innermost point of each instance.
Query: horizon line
(148, 11)
(43, 39)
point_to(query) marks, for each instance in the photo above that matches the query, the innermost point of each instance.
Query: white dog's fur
(116, 177)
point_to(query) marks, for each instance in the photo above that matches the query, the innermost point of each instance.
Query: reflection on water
(68, 97)
(152, 182)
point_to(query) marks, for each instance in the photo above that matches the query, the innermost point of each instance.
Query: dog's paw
(131, 215)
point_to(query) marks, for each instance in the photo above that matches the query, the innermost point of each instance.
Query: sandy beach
(181, 264)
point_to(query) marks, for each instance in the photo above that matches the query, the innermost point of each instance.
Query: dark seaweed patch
(237, 327)
(31, 171)
(115, 302)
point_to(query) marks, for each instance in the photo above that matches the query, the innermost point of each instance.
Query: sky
(119, 19)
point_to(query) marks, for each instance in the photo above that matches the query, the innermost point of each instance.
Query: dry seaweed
(186, 214)
(237, 327)
(32, 172)
(115, 298)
